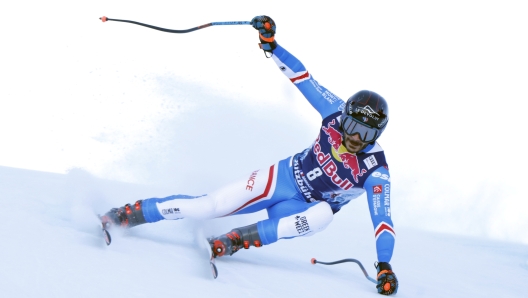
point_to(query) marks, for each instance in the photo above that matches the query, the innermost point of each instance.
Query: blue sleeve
(324, 101)
(377, 187)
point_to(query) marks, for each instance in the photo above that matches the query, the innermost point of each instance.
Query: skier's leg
(251, 194)
(288, 219)
(294, 218)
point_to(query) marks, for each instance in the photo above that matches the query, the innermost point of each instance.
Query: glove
(266, 27)
(387, 281)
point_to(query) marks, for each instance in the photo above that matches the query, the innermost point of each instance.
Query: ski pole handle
(314, 261)
(105, 19)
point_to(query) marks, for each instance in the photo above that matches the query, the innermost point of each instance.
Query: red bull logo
(334, 136)
(349, 160)
(329, 167)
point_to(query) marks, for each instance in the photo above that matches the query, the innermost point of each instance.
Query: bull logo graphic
(348, 159)
(334, 136)
(350, 162)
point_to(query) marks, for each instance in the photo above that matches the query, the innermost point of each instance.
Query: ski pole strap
(314, 261)
(105, 19)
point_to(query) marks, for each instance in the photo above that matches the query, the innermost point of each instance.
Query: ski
(106, 234)
(212, 259)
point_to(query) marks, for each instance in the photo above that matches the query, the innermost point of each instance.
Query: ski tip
(214, 270)
(107, 237)
(104, 19)
(313, 261)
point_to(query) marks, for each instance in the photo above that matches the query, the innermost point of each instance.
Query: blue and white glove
(387, 281)
(266, 27)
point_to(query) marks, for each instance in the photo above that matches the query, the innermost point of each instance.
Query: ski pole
(104, 19)
(314, 261)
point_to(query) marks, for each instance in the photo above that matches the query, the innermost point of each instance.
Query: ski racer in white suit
(301, 193)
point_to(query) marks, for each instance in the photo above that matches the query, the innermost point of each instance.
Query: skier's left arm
(378, 189)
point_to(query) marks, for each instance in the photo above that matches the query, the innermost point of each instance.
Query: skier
(302, 192)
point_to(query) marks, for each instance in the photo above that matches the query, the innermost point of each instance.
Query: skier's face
(353, 143)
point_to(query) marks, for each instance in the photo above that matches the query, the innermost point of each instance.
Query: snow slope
(51, 247)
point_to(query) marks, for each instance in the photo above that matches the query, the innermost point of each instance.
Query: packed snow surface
(52, 247)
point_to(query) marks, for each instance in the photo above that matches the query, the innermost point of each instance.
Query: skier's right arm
(324, 101)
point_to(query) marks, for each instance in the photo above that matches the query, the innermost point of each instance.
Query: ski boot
(127, 216)
(233, 241)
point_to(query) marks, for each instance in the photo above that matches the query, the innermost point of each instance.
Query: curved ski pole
(104, 19)
(314, 261)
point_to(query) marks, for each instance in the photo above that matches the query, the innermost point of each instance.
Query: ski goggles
(352, 126)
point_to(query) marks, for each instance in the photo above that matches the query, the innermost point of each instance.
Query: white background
(191, 112)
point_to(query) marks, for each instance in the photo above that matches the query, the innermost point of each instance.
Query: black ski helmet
(366, 113)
